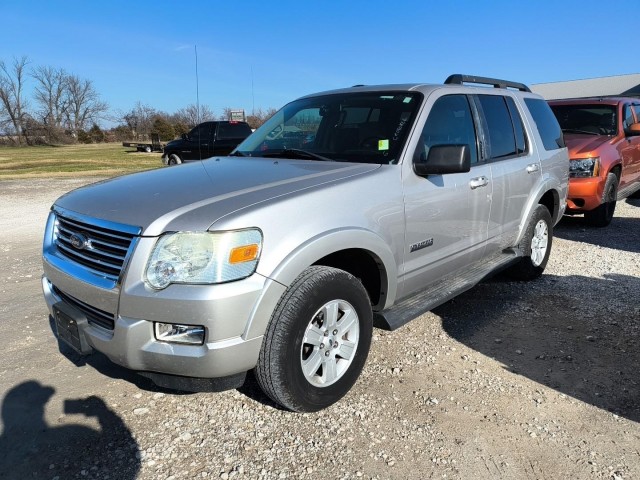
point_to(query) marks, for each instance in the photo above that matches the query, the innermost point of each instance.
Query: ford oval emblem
(78, 241)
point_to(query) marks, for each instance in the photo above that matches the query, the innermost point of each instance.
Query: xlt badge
(420, 245)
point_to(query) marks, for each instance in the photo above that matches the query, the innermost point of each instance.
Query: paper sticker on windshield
(383, 144)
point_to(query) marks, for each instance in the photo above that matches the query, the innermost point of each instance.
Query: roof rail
(458, 79)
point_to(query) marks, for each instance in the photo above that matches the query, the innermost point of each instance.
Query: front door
(446, 215)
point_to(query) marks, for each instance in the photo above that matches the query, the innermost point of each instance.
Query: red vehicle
(603, 137)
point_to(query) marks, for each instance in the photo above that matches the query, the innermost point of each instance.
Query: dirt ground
(510, 380)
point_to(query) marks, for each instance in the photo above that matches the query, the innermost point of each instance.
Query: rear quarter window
(546, 123)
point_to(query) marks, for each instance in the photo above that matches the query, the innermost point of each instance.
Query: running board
(441, 292)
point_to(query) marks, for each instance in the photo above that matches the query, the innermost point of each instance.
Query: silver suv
(347, 209)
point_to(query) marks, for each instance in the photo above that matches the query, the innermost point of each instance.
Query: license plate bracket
(70, 324)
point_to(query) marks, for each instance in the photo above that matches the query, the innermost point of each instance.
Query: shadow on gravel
(622, 234)
(102, 364)
(560, 332)
(30, 448)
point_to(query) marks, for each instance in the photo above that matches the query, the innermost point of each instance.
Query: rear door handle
(533, 167)
(478, 182)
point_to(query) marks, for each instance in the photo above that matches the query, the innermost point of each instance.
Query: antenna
(197, 87)
(253, 98)
(195, 47)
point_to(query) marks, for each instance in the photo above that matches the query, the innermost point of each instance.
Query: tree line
(65, 108)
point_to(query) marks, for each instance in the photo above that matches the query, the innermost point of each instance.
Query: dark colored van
(206, 140)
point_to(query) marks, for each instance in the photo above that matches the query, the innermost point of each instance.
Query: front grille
(94, 315)
(104, 246)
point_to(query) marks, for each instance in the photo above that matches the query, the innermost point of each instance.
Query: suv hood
(193, 196)
(581, 145)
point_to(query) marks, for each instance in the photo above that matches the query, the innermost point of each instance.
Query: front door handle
(478, 182)
(533, 167)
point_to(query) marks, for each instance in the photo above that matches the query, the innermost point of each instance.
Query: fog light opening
(177, 333)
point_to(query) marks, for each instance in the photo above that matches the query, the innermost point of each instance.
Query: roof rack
(458, 79)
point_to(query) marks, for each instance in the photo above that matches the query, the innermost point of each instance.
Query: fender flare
(310, 252)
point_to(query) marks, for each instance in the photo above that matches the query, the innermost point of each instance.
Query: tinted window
(501, 138)
(233, 130)
(450, 123)
(201, 132)
(518, 128)
(546, 122)
(636, 108)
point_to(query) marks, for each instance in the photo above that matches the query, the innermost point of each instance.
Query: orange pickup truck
(603, 137)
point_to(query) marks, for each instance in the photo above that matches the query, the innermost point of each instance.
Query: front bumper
(585, 194)
(132, 342)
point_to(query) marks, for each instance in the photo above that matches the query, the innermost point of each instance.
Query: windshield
(587, 119)
(362, 127)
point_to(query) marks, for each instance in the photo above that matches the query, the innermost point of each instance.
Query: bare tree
(191, 117)
(139, 120)
(84, 104)
(51, 96)
(13, 105)
(258, 117)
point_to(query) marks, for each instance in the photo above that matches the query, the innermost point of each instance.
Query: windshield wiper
(575, 130)
(237, 153)
(294, 153)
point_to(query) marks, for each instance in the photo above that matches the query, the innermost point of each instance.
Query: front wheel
(603, 214)
(317, 340)
(174, 159)
(535, 246)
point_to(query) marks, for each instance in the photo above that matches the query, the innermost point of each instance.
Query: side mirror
(633, 130)
(443, 159)
(184, 136)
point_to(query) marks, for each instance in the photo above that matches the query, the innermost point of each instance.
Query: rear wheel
(535, 246)
(317, 341)
(603, 214)
(174, 159)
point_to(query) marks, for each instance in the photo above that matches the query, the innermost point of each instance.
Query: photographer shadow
(30, 448)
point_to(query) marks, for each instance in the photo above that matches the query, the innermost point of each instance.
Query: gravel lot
(510, 380)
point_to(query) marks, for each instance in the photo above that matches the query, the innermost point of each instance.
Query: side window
(546, 122)
(636, 108)
(200, 132)
(502, 142)
(518, 128)
(450, 122)
(628, 117)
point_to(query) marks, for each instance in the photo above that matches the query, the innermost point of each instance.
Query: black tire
(174, 159)
(603, 214)
(147, 149)
(535, 246)
(298, 321)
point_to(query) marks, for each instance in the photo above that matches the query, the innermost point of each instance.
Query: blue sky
(264, 54)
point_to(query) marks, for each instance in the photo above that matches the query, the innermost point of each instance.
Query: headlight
(204, 257)
(584, 167)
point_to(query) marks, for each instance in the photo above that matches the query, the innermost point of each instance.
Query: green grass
(106, 159)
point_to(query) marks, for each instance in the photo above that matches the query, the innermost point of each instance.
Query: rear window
(546, 122)
(233, 130)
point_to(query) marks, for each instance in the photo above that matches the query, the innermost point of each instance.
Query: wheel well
(364, 265)
(617, 171)
(551, 200)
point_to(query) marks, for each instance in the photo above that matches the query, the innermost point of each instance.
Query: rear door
(515, 168)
